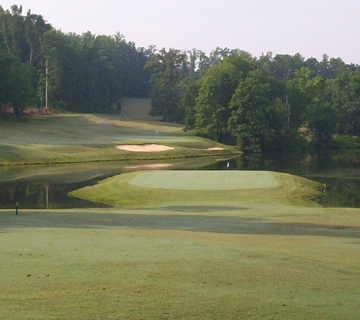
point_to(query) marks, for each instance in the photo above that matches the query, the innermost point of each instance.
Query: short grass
(267, 253)
(253, 256)
(125, 189)
(85, 138)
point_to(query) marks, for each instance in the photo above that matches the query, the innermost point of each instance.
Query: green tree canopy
(165, 96)
(217, 87)
(257, 119)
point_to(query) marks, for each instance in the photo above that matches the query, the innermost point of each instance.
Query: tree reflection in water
(42, 195)
(340, 171)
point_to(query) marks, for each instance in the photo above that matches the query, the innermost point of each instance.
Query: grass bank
(228, 187)
(90, 138)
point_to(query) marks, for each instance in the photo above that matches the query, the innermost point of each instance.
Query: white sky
(310, 27)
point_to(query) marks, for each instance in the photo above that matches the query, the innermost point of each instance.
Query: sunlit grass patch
(206, 180)
(173, 187)
(88, 138)
(119, 272)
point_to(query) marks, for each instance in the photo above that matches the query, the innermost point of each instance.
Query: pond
(48, 186)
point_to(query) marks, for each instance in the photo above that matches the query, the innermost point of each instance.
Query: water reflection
(338, 164)
(48, 186)
(40, 187)
(339, 170)
(42, 195)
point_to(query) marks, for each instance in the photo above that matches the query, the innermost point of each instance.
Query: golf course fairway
(176, 245)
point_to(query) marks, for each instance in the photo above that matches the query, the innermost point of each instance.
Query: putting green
(206, 180)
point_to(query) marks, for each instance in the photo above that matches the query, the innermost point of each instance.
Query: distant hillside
(136, 109)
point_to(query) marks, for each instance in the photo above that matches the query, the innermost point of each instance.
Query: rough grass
(136, 109)
(85, 138)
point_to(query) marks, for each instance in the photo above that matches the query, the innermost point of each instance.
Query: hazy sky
(310, 27)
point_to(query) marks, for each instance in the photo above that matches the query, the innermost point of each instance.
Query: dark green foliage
(15, 82)
(346, 99)
(270, 102)
(217, 87)
(82, 73)
(257, 117)
(275, 107)
(167, 68)
(190, 92)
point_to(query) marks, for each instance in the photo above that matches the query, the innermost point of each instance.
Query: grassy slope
(136, 109)
(119, 190)
(83, 138)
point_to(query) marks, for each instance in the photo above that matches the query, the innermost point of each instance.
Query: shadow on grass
(194, 208)
(196, 223)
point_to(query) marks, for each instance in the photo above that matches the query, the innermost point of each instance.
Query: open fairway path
(240, 260)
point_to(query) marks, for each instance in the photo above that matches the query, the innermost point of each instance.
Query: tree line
(266, 103)
(259, 103)
(43, 67)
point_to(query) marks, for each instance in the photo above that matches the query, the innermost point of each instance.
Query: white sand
(144, 147)
(206, 180)
(150, 166)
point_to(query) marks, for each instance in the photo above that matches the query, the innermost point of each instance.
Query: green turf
(136, 109)
(182, 254)
(89, 138)
(206, 180)
(172, 187)
(240, 260)
(264, 253)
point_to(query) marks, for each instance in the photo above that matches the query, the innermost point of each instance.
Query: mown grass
(175, 254)
(168, 254)
(89, 138)
(120, 191)
(246, 260)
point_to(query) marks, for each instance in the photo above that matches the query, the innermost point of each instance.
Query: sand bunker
(150, 166)
(214, 148)
(206, 180)
(144, 147)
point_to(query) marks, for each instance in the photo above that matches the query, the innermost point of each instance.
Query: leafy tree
(15, 82)
(265, 63)
(311, 107)
(217, 87)
(165, 96)
(298, 97)
(256, 120)
(346, 100)
(35, 27)
(284, 65)
(322, 117)
(12, 29)
(189, 93)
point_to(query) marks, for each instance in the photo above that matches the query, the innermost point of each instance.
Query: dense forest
(43, 67)
(265, 103)
(259, 103)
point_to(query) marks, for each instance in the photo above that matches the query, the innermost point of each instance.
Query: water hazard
(48, 186)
